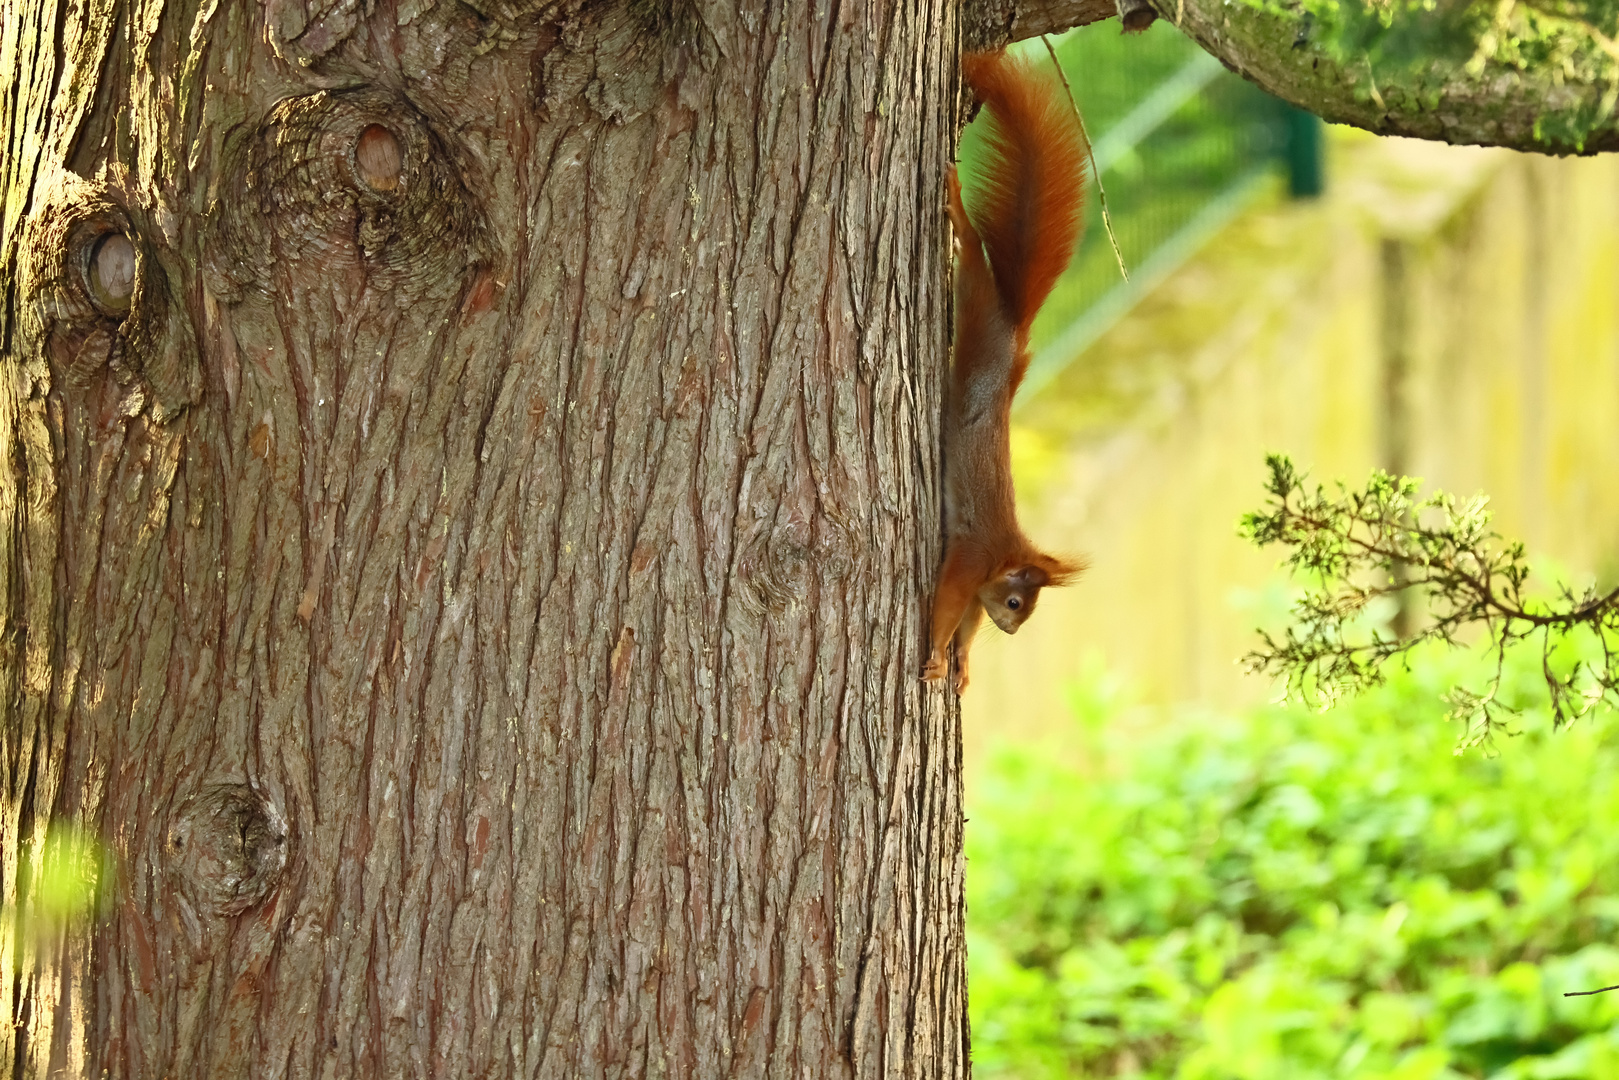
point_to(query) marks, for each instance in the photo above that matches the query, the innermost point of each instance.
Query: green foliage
(72, 870)
(73, 866)
(1295, 894)
(1360, 547)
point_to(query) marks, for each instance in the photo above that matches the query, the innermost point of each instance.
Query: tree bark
(988, 23)
(470, 577)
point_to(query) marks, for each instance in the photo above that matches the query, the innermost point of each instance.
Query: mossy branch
(1361, 546)
(1531, 74)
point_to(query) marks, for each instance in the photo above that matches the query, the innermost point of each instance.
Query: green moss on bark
(1536, 76)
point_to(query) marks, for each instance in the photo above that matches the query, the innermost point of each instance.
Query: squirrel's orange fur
(1028, 211)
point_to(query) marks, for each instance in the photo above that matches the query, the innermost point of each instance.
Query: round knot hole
(379, 158)
(111, 273)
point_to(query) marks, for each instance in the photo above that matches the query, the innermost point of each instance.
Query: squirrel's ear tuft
(1057, 571)
(1031, 576)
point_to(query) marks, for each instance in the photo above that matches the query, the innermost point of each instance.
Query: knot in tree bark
(226, 848)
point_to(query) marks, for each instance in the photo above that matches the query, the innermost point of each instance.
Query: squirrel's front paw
(935, 669)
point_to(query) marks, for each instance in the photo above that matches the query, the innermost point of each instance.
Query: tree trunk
(465, 554)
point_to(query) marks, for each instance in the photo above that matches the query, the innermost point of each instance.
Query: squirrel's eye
(1014, 603)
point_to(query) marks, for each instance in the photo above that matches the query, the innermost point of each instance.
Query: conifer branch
(1358, 547)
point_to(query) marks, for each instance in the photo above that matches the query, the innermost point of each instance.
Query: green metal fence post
(1306, 145)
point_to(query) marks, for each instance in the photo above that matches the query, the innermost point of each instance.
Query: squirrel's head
(1009, 597)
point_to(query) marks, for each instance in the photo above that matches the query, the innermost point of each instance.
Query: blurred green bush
(1293, 895)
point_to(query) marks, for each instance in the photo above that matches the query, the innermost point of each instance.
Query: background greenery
(1288, 894)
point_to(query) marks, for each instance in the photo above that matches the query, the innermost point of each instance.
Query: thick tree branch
(987, 23)
(1534, 82)
(1535, 76)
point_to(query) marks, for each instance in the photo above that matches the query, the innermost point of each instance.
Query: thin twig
(1101, 192)
(1583, 993)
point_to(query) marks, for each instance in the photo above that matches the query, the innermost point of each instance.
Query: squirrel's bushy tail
(1027, 194)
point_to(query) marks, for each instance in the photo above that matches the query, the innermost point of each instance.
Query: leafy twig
(1361, 546)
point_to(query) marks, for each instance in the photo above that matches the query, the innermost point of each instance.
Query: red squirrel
(1028, 210)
